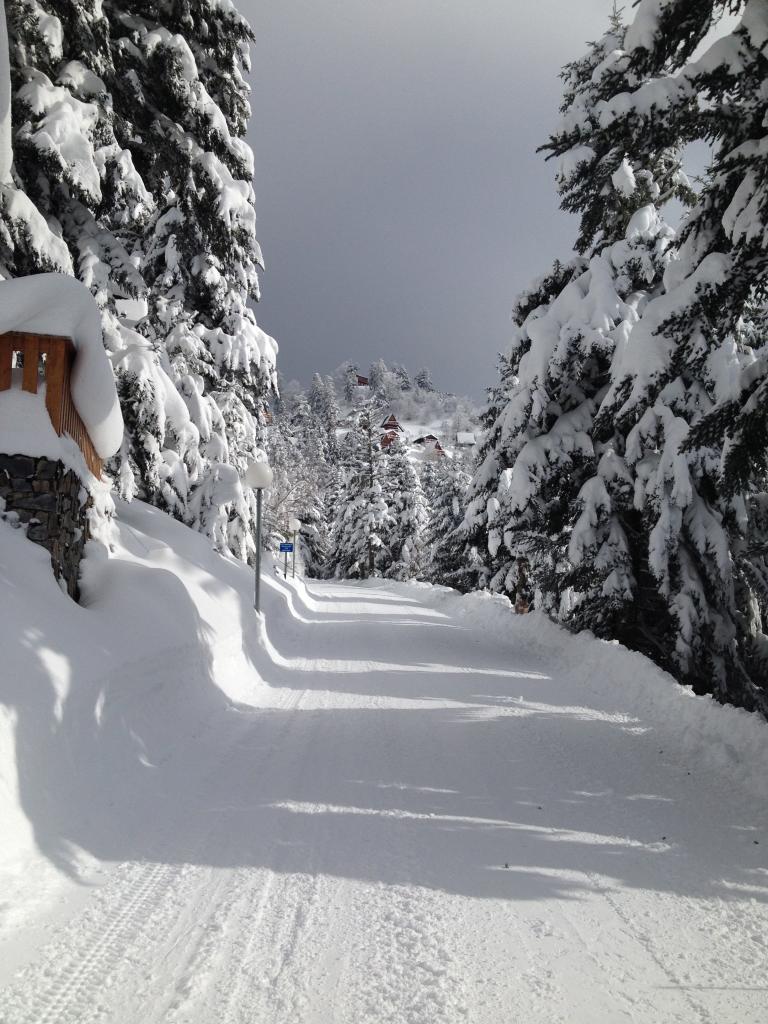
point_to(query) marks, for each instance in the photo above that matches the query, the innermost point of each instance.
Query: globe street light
(294, 525)
(258, 476)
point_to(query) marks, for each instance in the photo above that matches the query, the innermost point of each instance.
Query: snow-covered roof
(59, 305)
(465, 437)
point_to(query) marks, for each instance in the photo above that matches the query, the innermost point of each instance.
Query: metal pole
(285, 570)
(257, 584)
(293, 574)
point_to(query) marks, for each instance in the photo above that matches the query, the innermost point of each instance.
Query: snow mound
(60, 305)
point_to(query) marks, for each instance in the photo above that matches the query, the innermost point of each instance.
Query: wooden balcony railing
(51, 357)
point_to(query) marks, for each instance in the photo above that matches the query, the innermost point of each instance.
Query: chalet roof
(465, 437)
(426, 438)
(390, 423)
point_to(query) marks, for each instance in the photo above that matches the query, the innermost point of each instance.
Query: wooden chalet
(362, 382)
(49, 358)
(390, 423)
(431, 444)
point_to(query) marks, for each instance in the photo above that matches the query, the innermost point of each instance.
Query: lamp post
(258, 476)
(294, 525)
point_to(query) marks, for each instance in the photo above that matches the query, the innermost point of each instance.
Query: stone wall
(46, 497)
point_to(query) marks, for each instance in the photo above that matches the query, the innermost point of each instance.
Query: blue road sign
(287, 547)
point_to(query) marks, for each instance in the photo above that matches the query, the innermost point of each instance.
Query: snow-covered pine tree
(449, 563)
(402, 377)
(297, 451)
(180, 109)
(377, 378)
(330, 417)
(685, 354)
(539, 451)
(362, 520)
(350, 382)
(317, 395)
(423, 379)
(410, 513)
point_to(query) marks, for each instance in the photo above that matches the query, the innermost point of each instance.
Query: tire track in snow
(66, 987)
(271, 979)
(121, 935)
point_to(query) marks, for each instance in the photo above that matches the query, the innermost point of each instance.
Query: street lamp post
(294, 525)
(258, 476)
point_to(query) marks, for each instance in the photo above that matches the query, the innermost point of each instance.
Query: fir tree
(423, 379)
(180, 110)
(377, 378)
(363, 521)
(686, 349)
(544, 472)
(449, 563)
(409, 511)
(317, 395)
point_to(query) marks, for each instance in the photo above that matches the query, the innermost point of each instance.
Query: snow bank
(57, 304)
(93, 696)
(721, 737)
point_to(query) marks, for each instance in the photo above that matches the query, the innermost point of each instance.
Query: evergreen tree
(362, 521)
(298, 454)
(410, 515)
(377, 376)
(683, 355)
(317, 395)
(402, 377)
(350, 382)
(450, 564)
(423, 379)
(180, 110)
(330, 417)
(543, 468)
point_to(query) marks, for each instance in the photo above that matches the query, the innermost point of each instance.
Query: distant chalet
(465, 439)
(362, 382)
(390, 423)
(430, 443)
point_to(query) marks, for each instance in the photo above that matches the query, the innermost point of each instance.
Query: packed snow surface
(59, 305)
(390, 804)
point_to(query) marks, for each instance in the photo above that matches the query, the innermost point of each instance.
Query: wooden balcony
(49, 358)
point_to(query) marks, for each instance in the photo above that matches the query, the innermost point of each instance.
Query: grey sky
(400, 201)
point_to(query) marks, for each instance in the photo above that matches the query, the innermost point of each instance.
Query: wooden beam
(55, 378)
(6, 359)
(31, 360)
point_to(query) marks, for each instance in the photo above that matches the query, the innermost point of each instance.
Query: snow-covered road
(419, 821)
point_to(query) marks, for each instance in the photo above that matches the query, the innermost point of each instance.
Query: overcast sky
(401, 203)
